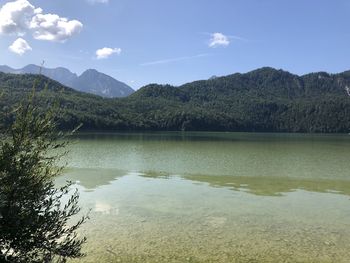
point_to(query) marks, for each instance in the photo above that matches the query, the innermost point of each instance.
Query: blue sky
(173, 41)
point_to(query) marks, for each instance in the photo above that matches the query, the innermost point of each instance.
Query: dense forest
(264, 100)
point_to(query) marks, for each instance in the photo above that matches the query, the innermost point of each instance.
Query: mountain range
(90, 81)
(263, 100)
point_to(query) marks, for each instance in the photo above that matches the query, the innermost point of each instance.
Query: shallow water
(213, 197)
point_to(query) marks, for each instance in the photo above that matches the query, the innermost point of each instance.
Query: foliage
(265, 100)
(35, 221)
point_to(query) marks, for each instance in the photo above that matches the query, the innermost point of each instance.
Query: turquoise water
(213, 197)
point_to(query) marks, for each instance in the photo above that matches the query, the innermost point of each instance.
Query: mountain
(91, 81)
(60, 74)
(6, 69)
(263, 100)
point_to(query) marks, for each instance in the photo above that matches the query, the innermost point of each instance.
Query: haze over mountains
(90, 81)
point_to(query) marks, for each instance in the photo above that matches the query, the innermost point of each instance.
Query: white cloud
(51, 27)
(15, 17)
(98, 1)
(171, 60)
(219, 39)
(20, 16)
(107, 52)
(20, 46)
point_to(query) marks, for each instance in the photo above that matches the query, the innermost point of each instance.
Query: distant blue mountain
(90, 81)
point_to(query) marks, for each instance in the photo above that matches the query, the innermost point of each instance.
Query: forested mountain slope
(265, 100)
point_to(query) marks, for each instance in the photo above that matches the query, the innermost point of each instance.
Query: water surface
(213, 197)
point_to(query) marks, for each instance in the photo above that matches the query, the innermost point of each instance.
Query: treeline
(264, 100)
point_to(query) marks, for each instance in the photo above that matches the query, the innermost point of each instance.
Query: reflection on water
(273, 186)
(211, 136)
(91, 179)
(105, 208)
(230, 154)
(214, 197)
(145, 218)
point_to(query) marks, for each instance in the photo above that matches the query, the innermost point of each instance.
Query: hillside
(264, 100)
(76, 107)
(90, 81)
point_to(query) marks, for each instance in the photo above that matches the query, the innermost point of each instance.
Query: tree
(36, 225)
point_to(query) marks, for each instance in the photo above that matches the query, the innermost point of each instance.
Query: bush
(35, 223)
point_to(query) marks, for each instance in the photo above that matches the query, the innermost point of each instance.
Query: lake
(213, 197)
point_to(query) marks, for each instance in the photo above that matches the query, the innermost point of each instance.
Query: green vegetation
(264, 100)
(35, 221)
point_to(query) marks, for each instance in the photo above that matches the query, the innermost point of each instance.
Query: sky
(176, 41)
